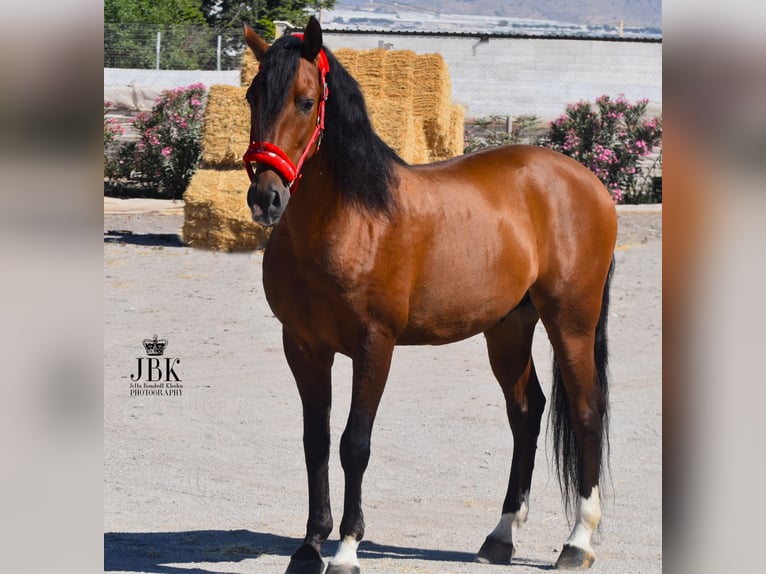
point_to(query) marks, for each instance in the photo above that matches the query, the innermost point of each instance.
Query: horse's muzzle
(267, 198)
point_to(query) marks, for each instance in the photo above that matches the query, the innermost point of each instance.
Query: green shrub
(165, 157)
(493, 131)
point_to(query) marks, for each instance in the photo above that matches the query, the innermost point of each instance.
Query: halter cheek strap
(268, 154)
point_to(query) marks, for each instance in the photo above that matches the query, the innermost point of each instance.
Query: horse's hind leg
(576, 325)
(312, 372)
(510, 353)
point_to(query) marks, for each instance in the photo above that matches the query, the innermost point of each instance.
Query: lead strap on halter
(274, 157)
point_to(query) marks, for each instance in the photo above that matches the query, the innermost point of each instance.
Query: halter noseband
(274, 157)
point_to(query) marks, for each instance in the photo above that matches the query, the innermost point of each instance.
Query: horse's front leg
(312, 370)
(371, 366)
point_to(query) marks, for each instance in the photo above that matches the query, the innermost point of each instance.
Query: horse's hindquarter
(484, 227)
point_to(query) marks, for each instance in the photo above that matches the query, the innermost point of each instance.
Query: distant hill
(634, 13)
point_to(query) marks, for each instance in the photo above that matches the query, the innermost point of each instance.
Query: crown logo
(155, 347)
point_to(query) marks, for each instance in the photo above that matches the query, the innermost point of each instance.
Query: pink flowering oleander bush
(163, 160)
(117, 164)
(169, 146)
(112, 129)
(611, 139)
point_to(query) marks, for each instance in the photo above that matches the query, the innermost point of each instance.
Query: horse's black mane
(362, 164)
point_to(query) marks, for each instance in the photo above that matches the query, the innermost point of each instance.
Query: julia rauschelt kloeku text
(155, 375)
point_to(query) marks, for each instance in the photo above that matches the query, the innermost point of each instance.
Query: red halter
(268, 154)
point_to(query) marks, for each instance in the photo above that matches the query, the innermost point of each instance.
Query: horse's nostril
(276, 201)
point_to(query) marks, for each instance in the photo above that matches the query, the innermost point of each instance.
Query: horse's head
(286, 101)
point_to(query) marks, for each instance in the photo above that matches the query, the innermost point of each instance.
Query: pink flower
(166, 151)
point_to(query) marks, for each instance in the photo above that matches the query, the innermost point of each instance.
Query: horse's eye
(305, 105)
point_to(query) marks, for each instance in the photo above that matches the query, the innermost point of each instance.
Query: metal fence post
(159, 43)
(218, 55)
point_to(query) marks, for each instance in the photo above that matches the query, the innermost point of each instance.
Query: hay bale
(396, 125)
(226, 127)
(249, 68)
(399, 74)
(407, 93)
(456, 135)
(432, 103)
(347, 58)
(216, 215)
(419, 87)
(370, 73)
(389, 80)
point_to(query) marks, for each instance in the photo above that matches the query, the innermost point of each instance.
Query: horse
(367, 252)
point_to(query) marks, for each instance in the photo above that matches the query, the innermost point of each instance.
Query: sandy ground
(213, 480)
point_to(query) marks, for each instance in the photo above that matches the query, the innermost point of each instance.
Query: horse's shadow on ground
(145, 239)
(174, 552)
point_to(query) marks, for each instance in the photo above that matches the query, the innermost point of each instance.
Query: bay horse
(367, 252)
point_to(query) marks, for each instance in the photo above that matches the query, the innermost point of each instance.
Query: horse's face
(286, 132)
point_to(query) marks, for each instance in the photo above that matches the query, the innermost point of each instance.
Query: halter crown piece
(274, 157)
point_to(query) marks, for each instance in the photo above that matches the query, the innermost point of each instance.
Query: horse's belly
(457, 318)
(417, 335)
(464, 288)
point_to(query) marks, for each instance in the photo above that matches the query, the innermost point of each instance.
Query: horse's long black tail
(567, 455)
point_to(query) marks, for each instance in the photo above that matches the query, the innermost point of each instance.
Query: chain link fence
(160, 47)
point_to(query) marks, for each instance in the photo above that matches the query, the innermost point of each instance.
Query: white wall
(136, 90)
(513, 76)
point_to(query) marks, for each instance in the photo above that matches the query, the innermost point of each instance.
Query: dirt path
(213, 480)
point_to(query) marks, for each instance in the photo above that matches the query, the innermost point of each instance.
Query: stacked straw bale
(249, 68)
(216, 215)
(408, 99)
(226, 129)
(431, 102)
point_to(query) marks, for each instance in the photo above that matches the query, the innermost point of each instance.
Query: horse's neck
(315, 200)
(320, 220)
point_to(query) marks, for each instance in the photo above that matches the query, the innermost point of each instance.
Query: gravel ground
(212, 479)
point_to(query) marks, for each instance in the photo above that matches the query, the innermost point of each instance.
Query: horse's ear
(257, 44)
(312, 40)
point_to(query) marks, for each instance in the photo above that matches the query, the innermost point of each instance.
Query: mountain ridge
(635, 13)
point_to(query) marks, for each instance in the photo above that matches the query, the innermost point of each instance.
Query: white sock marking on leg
(504, 529)
(521, 515)
(346, 553)
(588, 517)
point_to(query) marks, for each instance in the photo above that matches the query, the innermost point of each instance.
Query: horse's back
(513, 174)
(552, 196)
(544, 196)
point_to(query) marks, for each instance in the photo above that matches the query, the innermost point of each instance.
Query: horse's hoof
(306, 560)
(342, 569)
(494, 551)
(574, 558)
